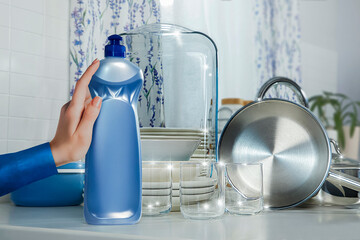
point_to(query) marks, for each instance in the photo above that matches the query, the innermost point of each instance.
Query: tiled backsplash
(34, 75)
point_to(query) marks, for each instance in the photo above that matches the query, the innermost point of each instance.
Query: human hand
(73, 135)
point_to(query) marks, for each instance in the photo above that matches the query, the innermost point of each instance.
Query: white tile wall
(56, 28)
(34, 76)
(26, 42)
(4, 105)
(3, 128)
(28, 129)
(4, 15)
(18, 145)
(30, 107)
(55, 48)
(28, 85)
(3, 146)
(4, 37)
(33, 5)
(4, 82)
(27, 20)
(57, 8)
(4, 60)
(27, 64)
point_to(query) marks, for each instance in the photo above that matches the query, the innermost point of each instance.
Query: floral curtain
(277, 39)
(92, 21)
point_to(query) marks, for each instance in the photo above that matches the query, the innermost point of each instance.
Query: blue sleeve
(24, 167)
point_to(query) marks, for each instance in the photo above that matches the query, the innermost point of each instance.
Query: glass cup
(202, 190)
(244, 188)
(156, 188)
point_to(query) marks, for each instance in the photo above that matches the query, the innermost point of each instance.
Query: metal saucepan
(334, 193)
(290, 142)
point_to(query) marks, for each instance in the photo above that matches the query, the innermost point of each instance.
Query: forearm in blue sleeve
(24, 167)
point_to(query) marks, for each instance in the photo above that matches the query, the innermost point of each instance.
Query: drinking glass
(202, 190)
(244, 188)
(156, 188)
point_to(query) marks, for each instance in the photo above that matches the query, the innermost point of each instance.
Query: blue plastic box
(63, 189)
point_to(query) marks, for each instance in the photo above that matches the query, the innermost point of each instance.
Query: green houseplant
(344, 112)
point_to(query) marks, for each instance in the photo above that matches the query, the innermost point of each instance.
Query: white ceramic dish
(169, 138)
(196, 198)
(173, 134)
(175, 193)
(200, 151)
(168, 149)
(198, 183)
(156, 185)
(192, 191)
(175, 185)
(156, 192)
(197, 191)
(160, 129)
(207, 159)
(201, 156)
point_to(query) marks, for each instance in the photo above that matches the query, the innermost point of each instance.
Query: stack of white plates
(175, 197)
(193, 191)
(176, 145)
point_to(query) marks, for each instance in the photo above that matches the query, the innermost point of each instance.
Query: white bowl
(168, 149)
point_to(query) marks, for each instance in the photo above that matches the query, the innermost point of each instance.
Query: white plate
(175, 185)
(168, 150)
(198, 183)
(156, 192)
(196, 191)
(195, 198)
(201, 156)
(207, 159)
(200, 151)
(175, 193)
(173, 134)
(150, 137)
(156, 185)
(159, 129)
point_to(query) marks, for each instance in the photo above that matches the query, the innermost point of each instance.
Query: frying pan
(289, 141)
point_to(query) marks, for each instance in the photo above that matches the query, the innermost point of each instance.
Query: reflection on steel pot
(290, 142)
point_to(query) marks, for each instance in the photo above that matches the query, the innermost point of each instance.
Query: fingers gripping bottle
(113, 162)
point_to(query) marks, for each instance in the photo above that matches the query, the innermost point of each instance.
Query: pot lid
(339, 161)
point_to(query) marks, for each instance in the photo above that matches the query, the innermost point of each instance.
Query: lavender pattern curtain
(277, 38)
(93, 20)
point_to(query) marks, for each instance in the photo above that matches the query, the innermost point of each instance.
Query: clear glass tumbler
(156, 188)
(244, 188)
(202, 190)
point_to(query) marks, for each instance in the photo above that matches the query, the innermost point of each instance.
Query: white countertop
(68, 223)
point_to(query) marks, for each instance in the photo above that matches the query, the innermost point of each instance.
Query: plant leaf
(339, 128)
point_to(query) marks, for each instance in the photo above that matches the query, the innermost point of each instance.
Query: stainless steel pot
(335, 193)
(290, 142)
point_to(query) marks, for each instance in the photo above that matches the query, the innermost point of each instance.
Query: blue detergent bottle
(113, 162)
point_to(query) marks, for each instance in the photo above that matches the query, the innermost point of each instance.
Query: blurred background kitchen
(45, 46)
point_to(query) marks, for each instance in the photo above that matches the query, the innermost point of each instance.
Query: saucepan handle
(336, 147)
(293, 85)
(342, 179)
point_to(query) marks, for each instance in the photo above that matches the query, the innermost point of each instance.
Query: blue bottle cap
(114, 48)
